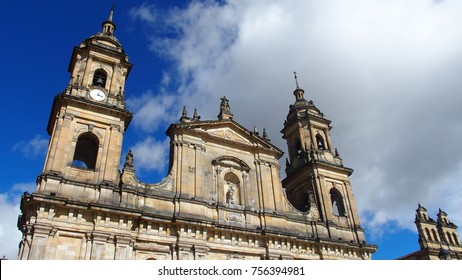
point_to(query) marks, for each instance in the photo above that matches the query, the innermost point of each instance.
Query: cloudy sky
(385, 72)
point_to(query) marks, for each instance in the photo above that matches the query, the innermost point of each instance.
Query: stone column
(39, 242)
(87, 78)
(110, 163)
(60, 151)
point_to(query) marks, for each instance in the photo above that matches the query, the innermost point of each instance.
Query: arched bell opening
(338, 207)
(99, 78)
(86, 151)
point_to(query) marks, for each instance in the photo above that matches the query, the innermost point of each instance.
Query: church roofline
(416, 253)
(224, 122)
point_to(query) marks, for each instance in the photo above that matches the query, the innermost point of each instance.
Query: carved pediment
(224, 131)
(229, 134)
(232, 131)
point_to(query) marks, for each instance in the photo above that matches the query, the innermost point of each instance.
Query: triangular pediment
(228, 131)
(231, 134)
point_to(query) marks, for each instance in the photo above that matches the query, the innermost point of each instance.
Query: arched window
(86, 151)
(99, 78)
(428, 234)
(435, 236)
(298, 149)
(456, 240)
(449, 238)
(320, 142)
(338, 208)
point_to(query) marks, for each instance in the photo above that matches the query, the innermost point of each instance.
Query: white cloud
(23, 187)
(37, 146)
(10, 236)
(152, 111)
(143, 13)
(151, 155)
(385, 72)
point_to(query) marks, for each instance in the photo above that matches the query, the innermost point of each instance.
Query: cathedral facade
(222, 197)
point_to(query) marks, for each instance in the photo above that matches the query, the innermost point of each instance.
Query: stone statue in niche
(230, 193)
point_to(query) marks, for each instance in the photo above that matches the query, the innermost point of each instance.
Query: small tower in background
(437, 239)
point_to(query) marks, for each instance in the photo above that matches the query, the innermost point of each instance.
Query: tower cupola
(298, 92)
(109, 26)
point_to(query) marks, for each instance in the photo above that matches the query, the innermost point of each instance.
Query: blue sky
(387, 73)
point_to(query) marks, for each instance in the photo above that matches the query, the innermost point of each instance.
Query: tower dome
(105, 38)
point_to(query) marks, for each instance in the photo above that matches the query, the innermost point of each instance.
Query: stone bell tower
(88, 118)
(86, 127)
(317, 183)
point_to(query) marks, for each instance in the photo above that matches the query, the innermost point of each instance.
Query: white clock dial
(97, 94)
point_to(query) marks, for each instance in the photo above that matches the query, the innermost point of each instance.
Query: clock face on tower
(97, 94)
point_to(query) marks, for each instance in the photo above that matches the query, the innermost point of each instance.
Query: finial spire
(298, 92)
(108, 25)
(265, 135)
(196, 116)
(184, 113)
(111, 13)
(296, 79)
(255, 130)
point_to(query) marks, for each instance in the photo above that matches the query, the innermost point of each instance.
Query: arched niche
(231, 180)
(231, 188)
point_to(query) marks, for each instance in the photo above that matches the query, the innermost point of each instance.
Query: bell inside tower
(99, 79)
